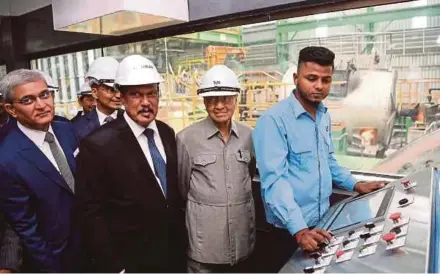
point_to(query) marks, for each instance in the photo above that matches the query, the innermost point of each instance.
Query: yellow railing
(415, 91)
(182, 110)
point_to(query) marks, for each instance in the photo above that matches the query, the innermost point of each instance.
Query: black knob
(365, 236)
(309, 269)
(396, 230)
(322, 244)
(403, 201)
(370, 225)
(315, 255)
(346, 242)
(351, 232)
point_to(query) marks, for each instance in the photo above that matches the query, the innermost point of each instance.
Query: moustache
(145, 110)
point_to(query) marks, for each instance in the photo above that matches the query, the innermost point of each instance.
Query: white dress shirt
(138, 132)
(37, 137)
(102, 116)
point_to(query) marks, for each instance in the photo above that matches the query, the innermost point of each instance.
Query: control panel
(384, 231)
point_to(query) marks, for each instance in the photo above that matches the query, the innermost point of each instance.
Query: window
(386, 79)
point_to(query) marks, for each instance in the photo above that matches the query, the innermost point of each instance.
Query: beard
(305, 99)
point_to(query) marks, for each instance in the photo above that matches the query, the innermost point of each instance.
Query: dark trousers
(274, 247)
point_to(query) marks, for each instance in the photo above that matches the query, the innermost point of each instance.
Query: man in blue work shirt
(294, 154)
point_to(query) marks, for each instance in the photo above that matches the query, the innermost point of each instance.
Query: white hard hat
(137, 70)
(104, 70)
(84, 90)
(51, 85)
(219, 81)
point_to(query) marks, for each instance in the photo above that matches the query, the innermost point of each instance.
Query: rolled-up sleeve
(271, 149)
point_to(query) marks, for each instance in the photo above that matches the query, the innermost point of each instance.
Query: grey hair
(93, 81)
(16, 78)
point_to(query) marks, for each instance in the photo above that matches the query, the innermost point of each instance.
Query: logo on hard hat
(146, 66)
(217, 82)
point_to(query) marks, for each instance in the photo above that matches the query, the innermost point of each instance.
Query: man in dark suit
(101, 77)
(85, 100)
(4, 118)
(36, 174)
(10, 248)
(127, 196)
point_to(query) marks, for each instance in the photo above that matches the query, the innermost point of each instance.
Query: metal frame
(263, 15)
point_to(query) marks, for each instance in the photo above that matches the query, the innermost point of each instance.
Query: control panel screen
(363, 209)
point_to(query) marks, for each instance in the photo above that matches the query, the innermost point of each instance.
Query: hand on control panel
(367, 187)
(311, 240)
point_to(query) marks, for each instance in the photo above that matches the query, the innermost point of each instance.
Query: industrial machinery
(394, 229)
(221, 55)
(368, 111)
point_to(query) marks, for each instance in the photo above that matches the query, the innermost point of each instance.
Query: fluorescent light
(117, 17)
(438, 40)
(321, 16)
(420, 3)
(419, 22)
(321, 32)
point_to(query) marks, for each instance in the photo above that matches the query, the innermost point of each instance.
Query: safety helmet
(84, 90)
(103, 70)
(219, 81)
(51, 85)
(137, 70)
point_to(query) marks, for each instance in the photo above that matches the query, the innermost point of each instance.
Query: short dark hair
(319, 55)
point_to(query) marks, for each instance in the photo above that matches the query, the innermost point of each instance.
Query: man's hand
(367, 187)
(5, 271)
(309, 239)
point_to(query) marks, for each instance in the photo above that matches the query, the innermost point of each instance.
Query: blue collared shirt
(296, 163)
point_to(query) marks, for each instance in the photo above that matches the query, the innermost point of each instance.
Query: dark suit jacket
(127, 222)
(10, 247)
(88, 123)
(5, 129)
(36, 200)
(13, 123)
(77, 116)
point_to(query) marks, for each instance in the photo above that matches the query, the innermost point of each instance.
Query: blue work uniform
(295, 158)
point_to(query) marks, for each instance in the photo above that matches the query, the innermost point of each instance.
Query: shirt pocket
(205, 172)
(302, 157)
(243, 156)
(203, 160)
(241, 167)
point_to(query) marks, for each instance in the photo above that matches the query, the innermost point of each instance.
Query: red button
(339, 253)
(389, 237)
(395, 216)
(405, 182)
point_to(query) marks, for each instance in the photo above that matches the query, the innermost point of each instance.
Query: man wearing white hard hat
(128, 199)
(85, 100)
(215, 168)
(101, 78)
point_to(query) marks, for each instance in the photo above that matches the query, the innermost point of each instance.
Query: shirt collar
(102, 116)
(298, 109)
(36, 136)
(211, 128)
(137, 129)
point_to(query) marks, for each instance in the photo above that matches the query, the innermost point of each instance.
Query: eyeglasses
(31, 99)
(108, 89)
(217, 99)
